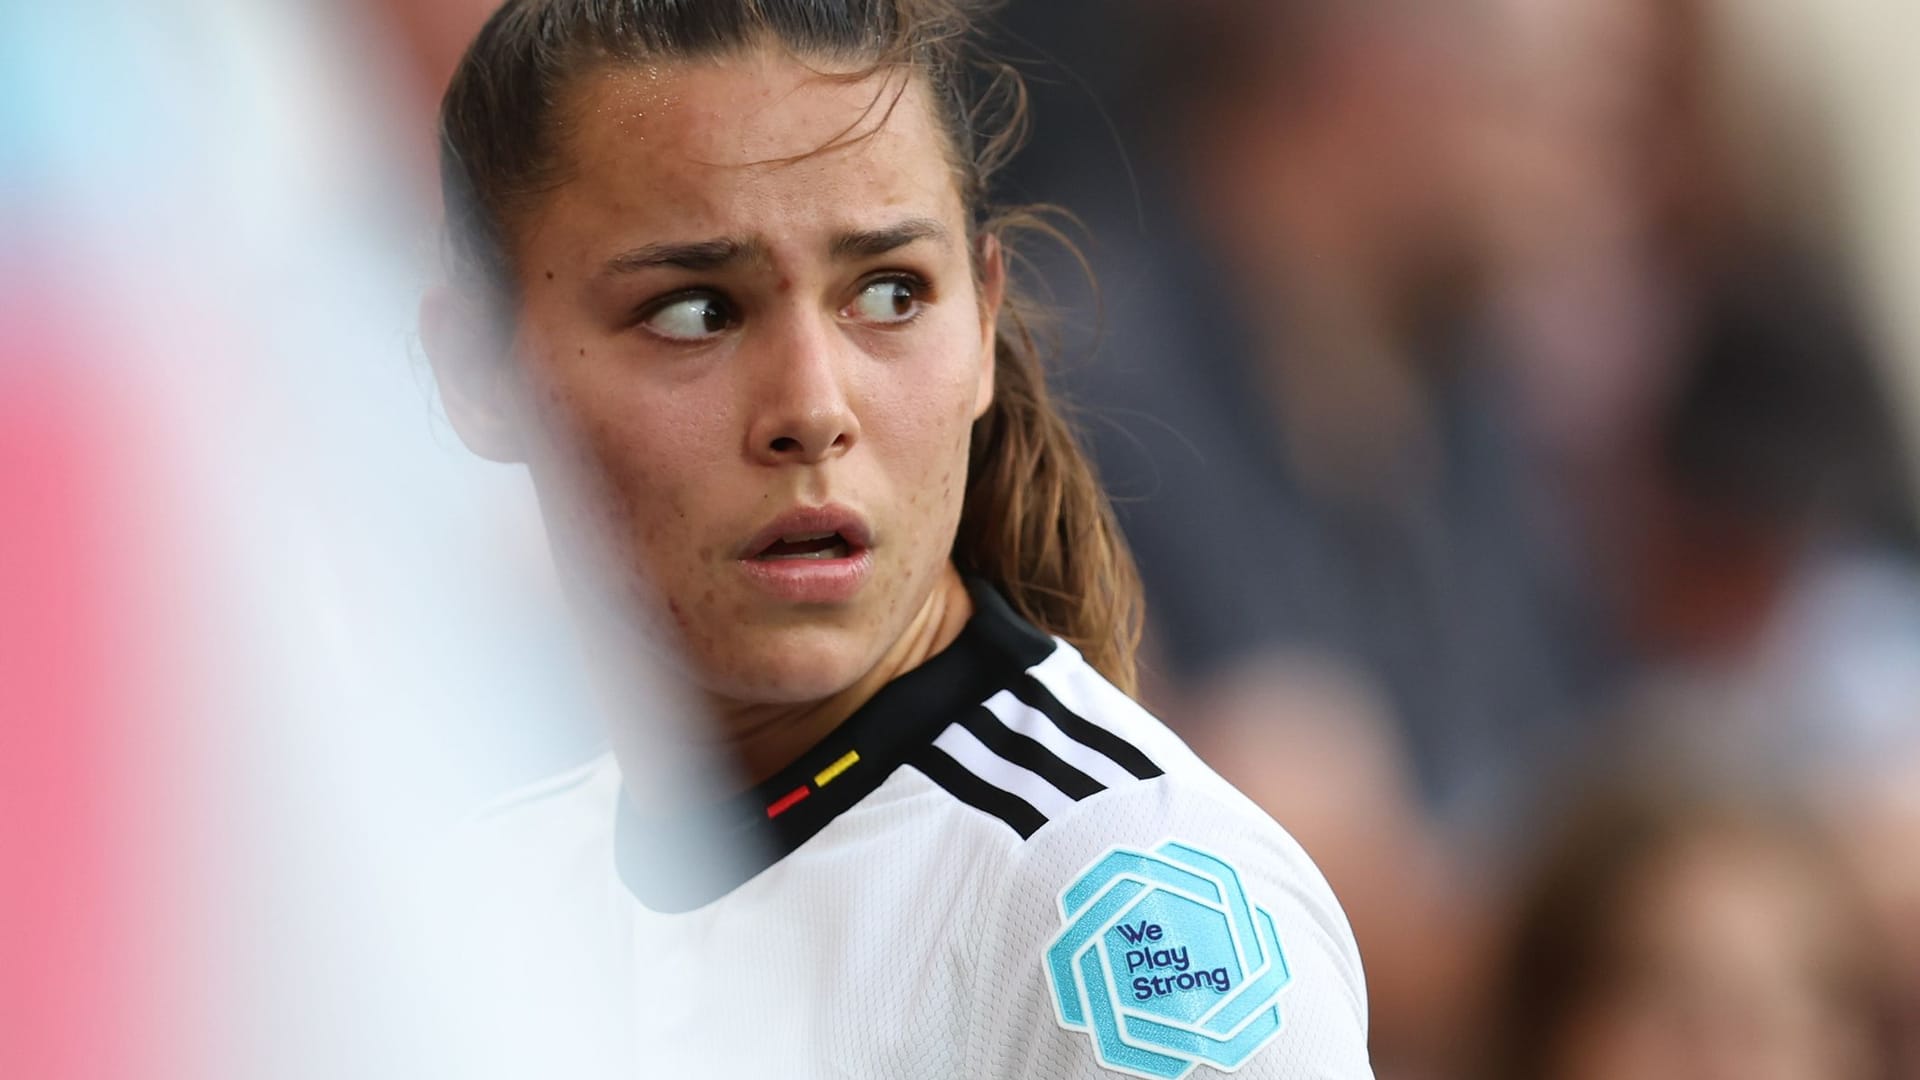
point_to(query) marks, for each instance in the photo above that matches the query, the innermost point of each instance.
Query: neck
(763, 739)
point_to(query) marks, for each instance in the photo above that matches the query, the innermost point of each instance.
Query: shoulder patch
(1165, 963)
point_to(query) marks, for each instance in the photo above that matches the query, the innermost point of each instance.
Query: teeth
(837, 551)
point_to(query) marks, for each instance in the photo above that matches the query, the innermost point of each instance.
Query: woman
(726, 285)
(1683, 928)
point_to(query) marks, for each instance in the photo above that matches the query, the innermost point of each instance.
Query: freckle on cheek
(549, 275)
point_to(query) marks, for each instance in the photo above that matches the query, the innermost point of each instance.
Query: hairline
(568, 101)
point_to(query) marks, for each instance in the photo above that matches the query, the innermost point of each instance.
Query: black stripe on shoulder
(1018, 813)
(1085, 732)
(1029, 754)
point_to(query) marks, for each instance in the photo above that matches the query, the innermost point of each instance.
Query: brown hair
(1035, 523)
(1563, 950)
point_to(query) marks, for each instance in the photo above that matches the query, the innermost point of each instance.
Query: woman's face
(750, 352)
(1728, 960)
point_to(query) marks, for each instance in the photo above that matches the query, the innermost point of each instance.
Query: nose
(801, 410)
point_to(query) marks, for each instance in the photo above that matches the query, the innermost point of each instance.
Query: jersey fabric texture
(1001, 867)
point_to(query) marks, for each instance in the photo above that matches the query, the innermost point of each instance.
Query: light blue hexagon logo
(1165, 963)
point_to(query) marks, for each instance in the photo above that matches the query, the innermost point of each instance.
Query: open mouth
(811, 555)
(828, 545)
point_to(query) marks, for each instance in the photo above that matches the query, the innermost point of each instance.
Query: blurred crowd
(1524, 505)
(1495, 392)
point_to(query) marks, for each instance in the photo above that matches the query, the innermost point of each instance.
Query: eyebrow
(718, 254)
(866, 244)
(698, 255)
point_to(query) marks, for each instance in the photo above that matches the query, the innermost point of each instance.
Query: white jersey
(1000, 867)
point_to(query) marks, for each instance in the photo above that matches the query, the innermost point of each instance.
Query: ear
(474, 372)
(993, 293)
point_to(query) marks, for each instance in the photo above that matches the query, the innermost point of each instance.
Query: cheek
(921, 425)
(627, 461)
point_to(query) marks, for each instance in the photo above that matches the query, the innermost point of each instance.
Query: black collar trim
(675, 862)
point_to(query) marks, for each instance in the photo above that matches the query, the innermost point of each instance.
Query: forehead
(756, 143)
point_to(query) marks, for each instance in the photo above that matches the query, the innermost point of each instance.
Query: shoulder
(535, 872)
(1160, 923)
(590, 782)
(527, 915)
(1060, 756)
(565, 818)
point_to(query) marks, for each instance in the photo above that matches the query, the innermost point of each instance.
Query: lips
(818, 534)
(810, 556)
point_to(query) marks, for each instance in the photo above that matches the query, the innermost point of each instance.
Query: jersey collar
(679, 862)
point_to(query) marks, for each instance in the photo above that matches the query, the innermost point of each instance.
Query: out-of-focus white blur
(335, 632)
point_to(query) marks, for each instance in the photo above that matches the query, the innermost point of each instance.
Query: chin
(791, 666)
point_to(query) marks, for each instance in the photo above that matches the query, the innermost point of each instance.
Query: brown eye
(694, 317)
(886, 302)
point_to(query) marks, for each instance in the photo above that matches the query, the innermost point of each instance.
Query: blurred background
(1513, 405)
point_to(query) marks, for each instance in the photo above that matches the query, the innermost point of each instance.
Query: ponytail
(1037, 524)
